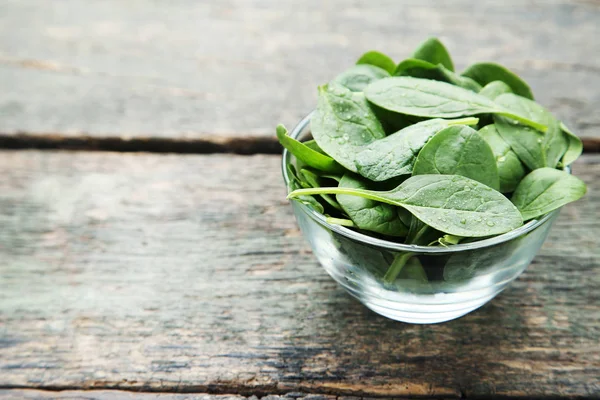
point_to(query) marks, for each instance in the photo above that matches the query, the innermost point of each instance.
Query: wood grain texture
(189, 69)
(188, 274)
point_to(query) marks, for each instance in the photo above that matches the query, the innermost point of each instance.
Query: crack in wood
(207, 145)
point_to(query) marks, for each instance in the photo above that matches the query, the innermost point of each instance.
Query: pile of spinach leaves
(417, 153)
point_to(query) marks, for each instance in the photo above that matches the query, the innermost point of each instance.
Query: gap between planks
(129, 395)
(208, 145)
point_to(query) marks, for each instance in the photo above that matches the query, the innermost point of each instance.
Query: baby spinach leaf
(315, 181)
(392, 121)
(495, 89)
(536, 150)
(306, 154)
(356, 78)
(343, 123)
(367, 214)
(510, 168)
(314, 146)
(395, 154)
(545, 190)
(426, 70)
(295, 184)
(433, 99)
(465, 265)
(484, 73)
(420, 233)
(449, 203)
(459, 150)
(574, 147)
(377, 59)
(433, 51)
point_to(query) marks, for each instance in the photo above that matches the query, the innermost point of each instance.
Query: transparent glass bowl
(452, 281)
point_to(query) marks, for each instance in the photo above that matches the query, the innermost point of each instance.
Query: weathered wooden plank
(187, 69)
(187, 273)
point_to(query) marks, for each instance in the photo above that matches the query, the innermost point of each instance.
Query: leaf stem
(523, 120)
(463, 121)
(397, 265)
(340, 221)
(366, 194)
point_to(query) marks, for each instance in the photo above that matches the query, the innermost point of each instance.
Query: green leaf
(484, 73)
(465, 265)
(459, 150)
(295, 184)
(357, 77)
(574, 147)
(395, 154)
(377, 59)
(433, 99)
(367, 214)
(304, 153)
(420, 233)
(433, 51)
(426, 70)
(449, 203)
(315, 181)
(545, 190)
(510, 168)
(343, 123)
(495, 89)
(535, 149)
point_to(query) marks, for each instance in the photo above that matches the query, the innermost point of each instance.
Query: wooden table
(127, 274)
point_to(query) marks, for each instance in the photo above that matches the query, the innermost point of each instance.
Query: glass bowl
(445, 283)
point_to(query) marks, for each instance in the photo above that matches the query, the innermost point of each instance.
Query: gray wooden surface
(198, 69)
(175, 273)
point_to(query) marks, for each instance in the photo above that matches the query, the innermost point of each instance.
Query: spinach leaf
(433, 51)
(574, 147)
(535, 149)
(343, 123)
(379, 60)
(459, 150)
(393, 122)
(315, 181)
(356, 78)
(367, 214)
(314, 146)
(465, 265)
(484, 73)
(395, 154)
(295, 184)
(426, 70)
(433, 99)
(545, 190)
(510, 168)
(449, 203)
(495, 89)
(420, 233)
(304, 152)
(360, 259)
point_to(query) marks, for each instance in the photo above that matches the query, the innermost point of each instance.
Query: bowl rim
(366, 239)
